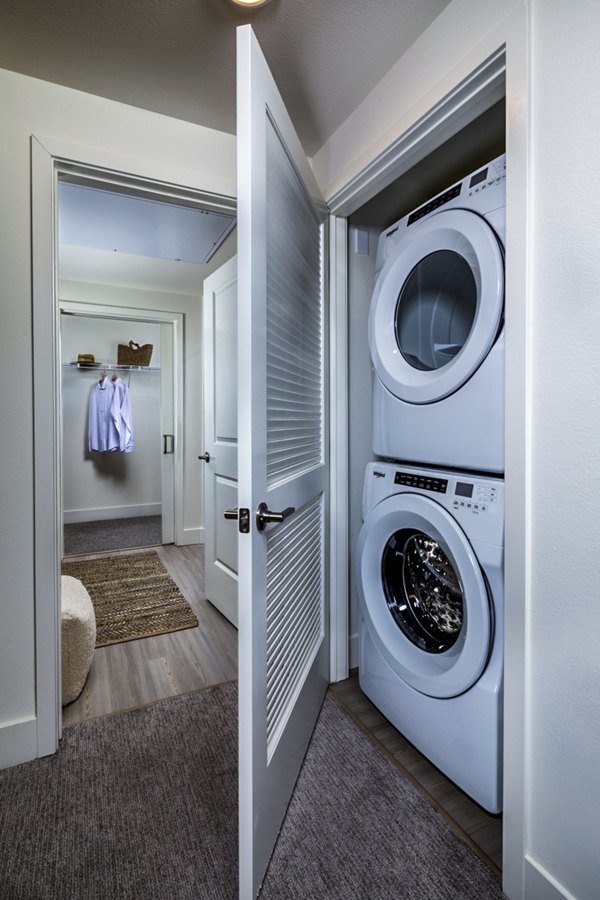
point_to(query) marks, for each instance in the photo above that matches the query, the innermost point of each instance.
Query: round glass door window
(436, 310)
(422, 590)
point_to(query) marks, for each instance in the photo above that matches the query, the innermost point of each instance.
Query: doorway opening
(131, 264)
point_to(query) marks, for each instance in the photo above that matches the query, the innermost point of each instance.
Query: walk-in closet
(131, 273)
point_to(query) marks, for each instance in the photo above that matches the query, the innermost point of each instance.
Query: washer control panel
(474, 497)
(475, 500)
(422, 481)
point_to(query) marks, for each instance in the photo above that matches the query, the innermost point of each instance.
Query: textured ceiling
(177, 57)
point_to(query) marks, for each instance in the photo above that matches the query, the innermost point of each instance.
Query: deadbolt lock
(243, 517)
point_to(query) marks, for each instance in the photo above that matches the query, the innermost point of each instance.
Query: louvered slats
(294, 322)
(294, 610)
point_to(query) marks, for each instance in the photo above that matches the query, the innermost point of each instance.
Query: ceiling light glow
(252, 3)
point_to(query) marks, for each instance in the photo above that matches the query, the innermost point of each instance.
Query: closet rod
(110, 367)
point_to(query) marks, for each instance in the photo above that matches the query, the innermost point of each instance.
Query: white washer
(430, 583)
(436, 329)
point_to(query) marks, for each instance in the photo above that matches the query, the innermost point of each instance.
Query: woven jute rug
(133, 596)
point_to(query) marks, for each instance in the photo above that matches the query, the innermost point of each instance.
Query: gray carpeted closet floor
(112, 534)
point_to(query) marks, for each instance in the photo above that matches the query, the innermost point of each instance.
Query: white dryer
(430, 582)
(436, 329)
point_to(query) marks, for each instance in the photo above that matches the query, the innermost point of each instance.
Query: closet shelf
(110, 367)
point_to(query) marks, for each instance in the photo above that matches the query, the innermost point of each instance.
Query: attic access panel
(107, 220)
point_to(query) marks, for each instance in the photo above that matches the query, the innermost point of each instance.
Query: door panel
(220, 433)
(283, 642)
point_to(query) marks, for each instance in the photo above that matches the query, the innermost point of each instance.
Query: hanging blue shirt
(110, 424)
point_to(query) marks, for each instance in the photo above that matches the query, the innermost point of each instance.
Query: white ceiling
(177, 57)
(119, 223)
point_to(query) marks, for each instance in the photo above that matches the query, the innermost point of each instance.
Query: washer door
(423, 595)
(437, 306)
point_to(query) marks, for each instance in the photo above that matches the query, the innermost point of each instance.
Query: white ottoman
(78, 632)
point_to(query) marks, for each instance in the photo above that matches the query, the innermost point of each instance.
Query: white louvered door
(282, 461)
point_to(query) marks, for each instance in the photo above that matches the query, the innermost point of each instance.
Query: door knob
(264, 515)
(205, 456)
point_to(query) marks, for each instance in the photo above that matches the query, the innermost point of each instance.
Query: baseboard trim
(100, 514)
(18, 743)
(541, 885)
(191, 536)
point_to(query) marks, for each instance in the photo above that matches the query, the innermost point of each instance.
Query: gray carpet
(143, 806)
(112, 534)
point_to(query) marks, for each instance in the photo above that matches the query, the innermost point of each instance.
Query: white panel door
(282, 461)
(219, 341)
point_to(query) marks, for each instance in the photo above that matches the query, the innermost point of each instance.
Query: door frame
(96, 310)
(49, 158)
(497, 67)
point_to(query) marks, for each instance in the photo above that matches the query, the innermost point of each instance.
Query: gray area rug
(112, 534)
(143, 806)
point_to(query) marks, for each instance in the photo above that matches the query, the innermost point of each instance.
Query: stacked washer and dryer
(430, 551)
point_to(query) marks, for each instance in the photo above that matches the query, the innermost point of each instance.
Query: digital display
(478, 178)
(463, 490)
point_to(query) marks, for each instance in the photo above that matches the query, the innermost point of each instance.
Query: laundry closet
(477, 144)
(426, 583)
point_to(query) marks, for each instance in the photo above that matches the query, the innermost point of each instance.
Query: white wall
(161, 148)
(434, 64)
(99, 486)
(563, 709)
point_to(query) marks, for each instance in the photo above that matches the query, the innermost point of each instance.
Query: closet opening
(470, 149)
(133, 521)
(113, 498)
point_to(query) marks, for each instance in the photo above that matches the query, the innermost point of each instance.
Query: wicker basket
(133, 354)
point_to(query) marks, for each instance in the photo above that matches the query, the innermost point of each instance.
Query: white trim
(19, 743)
(48, 157)
(192, 536)
(46, 451)
(338, 444)
(468, 100)
(541, 885)
(104, 513)
(519, 405)
(86, 164)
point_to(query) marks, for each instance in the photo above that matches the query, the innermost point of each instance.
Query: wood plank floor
(132, 674)
(481, 830)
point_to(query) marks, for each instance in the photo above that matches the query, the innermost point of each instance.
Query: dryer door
(437, 306)
(423, 595)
